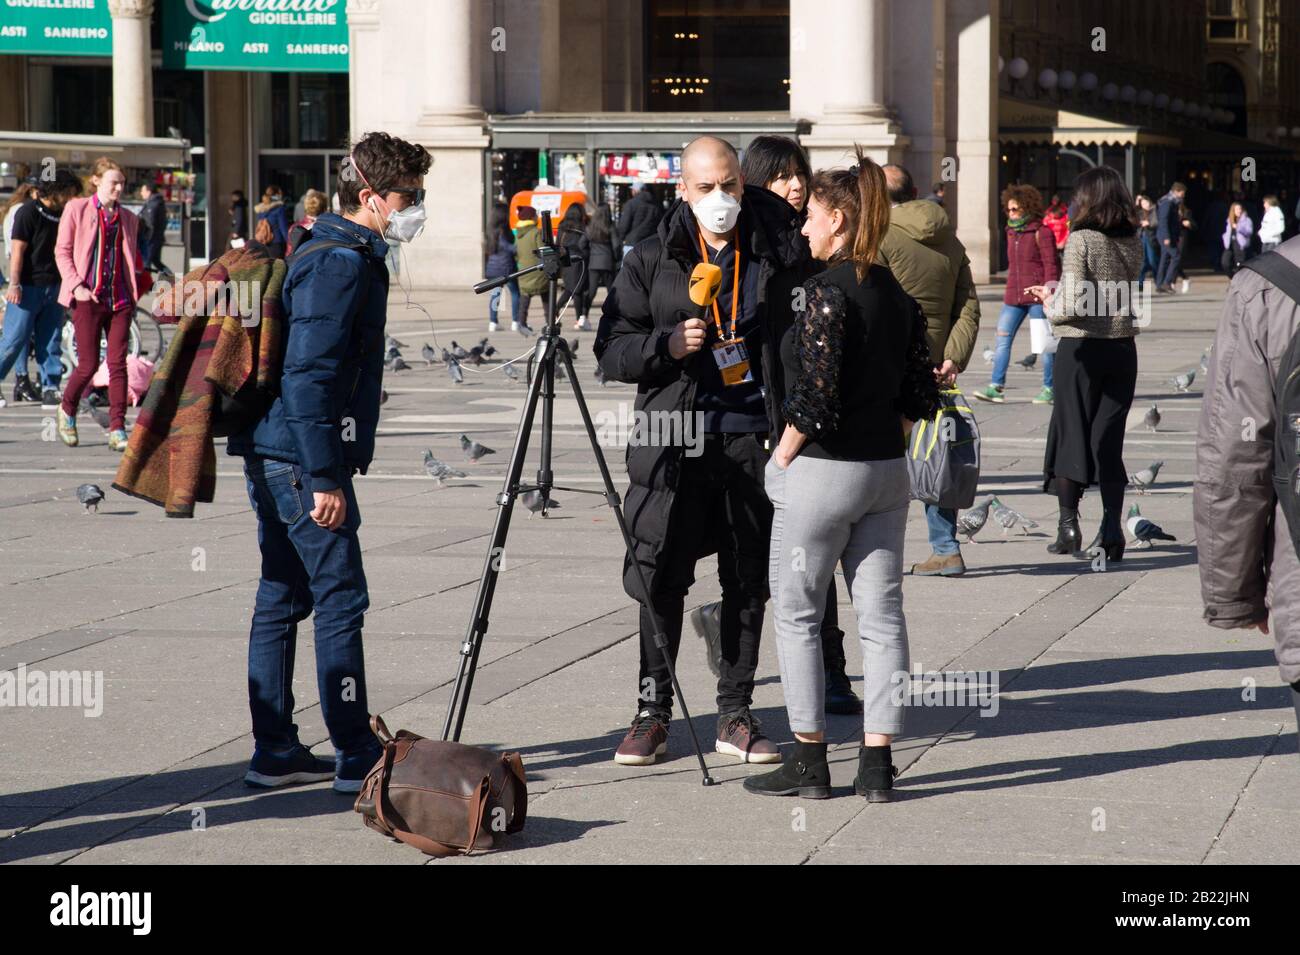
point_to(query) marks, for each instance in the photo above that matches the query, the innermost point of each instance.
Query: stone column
(972, 43)
(839, 62)
(132, 68)
(918, 79)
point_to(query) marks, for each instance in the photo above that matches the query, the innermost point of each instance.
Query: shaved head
(711, 146)
(898, 183)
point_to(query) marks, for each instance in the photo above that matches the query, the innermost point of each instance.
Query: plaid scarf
(171, 460)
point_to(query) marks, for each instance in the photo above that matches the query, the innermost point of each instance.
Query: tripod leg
(612, 498)
(478, 623)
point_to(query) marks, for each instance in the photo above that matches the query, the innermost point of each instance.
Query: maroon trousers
(89, 321)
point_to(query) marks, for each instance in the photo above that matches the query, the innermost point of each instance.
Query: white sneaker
(1187, 283)
(581, 325)
(493, 327)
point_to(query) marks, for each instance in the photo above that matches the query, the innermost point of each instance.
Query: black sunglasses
(415, 195)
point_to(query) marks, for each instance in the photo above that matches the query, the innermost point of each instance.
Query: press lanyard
(735, 291)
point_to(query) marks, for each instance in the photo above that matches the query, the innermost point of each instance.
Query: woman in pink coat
(98, 255)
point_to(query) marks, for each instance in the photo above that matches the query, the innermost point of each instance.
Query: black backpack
(240, 411)
(1285, 276)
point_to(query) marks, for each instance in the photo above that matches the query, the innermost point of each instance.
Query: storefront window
(719, 54)
(308, 110)
(178, 104)
(71, 97)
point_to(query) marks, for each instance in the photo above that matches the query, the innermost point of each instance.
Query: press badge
(733, 361)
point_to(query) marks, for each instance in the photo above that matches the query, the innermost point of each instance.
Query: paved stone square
(1126, 730)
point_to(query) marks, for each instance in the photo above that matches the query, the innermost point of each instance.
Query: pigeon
(391, 354)
(475, 356)
(397, 364)
(1144, 531)
(90, 495)
(428, 354)
(1205, 361)
(973, 520)
(446, 356)
(489, 351)
(453, 369)
(988, 356)
(439, 471)
(600, 377)
(1152, 418)
(1028, 361)
(573, 348)
(1009, 517)
(383, 397)
(1184, 381)
(472, 449)
(1146, 477)
(457, 352)
(390, 342)
(533, 501)
(524, 330)
(510, 372)
(95, 411)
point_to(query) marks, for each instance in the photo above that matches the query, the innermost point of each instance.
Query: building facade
(593, 95)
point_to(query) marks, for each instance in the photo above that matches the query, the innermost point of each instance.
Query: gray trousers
(827, 512)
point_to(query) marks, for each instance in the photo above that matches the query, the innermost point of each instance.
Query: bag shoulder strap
(1279, 270)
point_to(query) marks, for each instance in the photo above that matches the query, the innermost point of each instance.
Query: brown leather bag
(442, 798)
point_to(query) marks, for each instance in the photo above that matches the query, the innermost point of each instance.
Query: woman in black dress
(1093, 314)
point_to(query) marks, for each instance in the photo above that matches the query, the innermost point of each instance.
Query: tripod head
(551, 259)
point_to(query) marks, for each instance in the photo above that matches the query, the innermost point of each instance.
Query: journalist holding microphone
(701, 491)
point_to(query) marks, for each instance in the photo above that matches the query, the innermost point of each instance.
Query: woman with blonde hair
(98, 255)
(857, 374)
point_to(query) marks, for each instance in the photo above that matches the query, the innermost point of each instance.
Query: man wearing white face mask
(300, 458)
(699, 490)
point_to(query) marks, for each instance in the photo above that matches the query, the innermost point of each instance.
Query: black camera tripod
(549, 349)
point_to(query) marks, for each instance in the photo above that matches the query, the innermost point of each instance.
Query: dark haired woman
(600, 252)
(1096, 360)
(572, 235)
(857, 373)
(777, 163)
(499, 241)
(1031, 254)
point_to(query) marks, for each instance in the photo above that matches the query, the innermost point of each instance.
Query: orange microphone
(706, 279)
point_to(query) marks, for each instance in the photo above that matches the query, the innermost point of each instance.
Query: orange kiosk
(545, 199)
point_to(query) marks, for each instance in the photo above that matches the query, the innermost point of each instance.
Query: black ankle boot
(804, 773)
(1109, 540)
(876, 772)
(1068, 535)
(840, 698)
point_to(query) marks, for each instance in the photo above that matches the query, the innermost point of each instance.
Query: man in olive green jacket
(923, 252)
(527, 239)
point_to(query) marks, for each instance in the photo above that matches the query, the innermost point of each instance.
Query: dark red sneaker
(645, 741)
(739, 735)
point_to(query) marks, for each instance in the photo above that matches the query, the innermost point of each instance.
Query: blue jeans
(495, 296)
(305, 567)
(1150, 257)
(1008, 324)
(39, 312)
(1169, 261)
(942, 525)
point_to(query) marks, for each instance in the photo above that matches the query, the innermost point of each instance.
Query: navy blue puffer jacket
(333, 359)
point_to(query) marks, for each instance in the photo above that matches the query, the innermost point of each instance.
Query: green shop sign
(56, 27)
(300, 36)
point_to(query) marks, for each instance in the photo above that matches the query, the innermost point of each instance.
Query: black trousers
(720, 505)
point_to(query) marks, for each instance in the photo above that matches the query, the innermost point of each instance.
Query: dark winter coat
(649, 298)
(639, 218)
(333, 359)
(501, 257)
